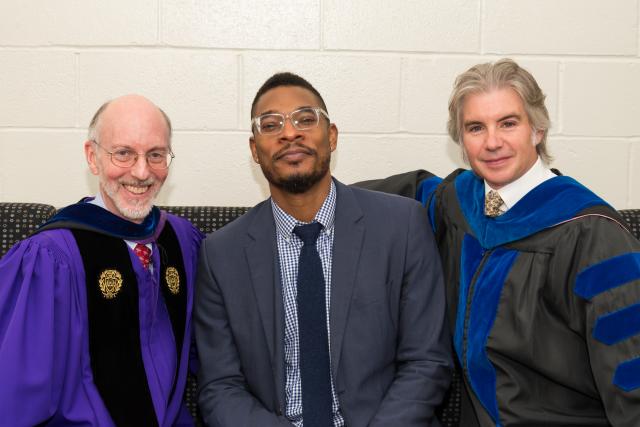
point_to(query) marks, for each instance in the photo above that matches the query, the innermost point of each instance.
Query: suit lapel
(262, 261)
(347, 246)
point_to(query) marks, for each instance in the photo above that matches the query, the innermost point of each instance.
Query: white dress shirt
(516, 190)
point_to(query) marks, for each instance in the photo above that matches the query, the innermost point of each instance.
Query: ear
(537, 136)
(254, 152)
(90, 154)
(333, 136)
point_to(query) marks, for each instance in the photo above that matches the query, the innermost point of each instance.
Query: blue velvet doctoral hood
(87, 216)
(554, 201)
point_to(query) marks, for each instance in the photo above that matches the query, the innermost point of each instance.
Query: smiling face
(293, 161)
(497, 138)
(129, 123)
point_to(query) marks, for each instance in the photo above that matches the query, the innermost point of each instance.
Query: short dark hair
(285, 79)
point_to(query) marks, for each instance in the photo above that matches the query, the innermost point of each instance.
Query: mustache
(137, 183)
(284, 150)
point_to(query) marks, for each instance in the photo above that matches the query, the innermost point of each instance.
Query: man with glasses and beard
(324, 304)
(95, 307)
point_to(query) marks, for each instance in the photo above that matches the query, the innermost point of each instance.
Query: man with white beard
(95, 307)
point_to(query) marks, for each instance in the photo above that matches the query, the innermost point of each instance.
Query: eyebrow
(473, 122)
(501, 119)
(130, 148)
(510, 116)
(278, 112)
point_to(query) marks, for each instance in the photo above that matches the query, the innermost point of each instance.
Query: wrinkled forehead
(135, 126)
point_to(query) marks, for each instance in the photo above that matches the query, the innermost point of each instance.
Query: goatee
(299, 183)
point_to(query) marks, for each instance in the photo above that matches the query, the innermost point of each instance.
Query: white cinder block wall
(385, 68)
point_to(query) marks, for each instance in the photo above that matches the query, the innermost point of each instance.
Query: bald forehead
(130, 111)
(129, 105)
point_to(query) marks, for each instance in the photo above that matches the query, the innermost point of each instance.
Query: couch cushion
(18, 220)
(632, 216)
(207, 218)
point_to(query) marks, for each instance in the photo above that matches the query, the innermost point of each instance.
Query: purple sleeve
(40, 331)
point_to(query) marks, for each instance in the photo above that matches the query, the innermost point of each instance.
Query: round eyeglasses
(125, 157)
(301, 119)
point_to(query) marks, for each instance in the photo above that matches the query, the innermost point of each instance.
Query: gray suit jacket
(389, 346)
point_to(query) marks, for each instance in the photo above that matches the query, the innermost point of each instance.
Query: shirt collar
(98, 201)
(516, 190)
(285, 223)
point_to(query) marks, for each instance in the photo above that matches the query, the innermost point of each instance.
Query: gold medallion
(173, 280)
(110, 282)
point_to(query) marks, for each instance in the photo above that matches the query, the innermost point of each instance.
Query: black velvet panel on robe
(114, 329)
(171, 256)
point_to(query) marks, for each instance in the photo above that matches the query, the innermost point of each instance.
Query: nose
(289, 132)
(141, 170)
(493, 140)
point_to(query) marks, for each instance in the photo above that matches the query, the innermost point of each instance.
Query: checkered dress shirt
(289, 246)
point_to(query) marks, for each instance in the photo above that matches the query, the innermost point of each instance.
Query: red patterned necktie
(144, 254)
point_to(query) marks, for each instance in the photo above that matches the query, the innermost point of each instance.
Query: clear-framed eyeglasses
(125, 158)
(302, 119)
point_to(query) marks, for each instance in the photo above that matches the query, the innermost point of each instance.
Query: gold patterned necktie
(492, 203)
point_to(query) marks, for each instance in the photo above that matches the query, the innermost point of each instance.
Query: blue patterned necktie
(312, 332)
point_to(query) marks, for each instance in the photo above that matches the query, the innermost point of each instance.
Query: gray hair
(504, 73)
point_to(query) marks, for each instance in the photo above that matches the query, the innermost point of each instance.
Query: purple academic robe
(45, 371)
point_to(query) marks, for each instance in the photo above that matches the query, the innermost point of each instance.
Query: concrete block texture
(409, 25)
(634, 181)
(197, 89)
(427, 85)
(37, 88)
(213, 168)
(385, 69)
(584, 160)
(362, 93)
(362, 157)
(57, 172)
(269, 24)
(573, 27)
(601, 98)
(78, 22)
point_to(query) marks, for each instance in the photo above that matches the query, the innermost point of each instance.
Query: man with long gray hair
(543, 279)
